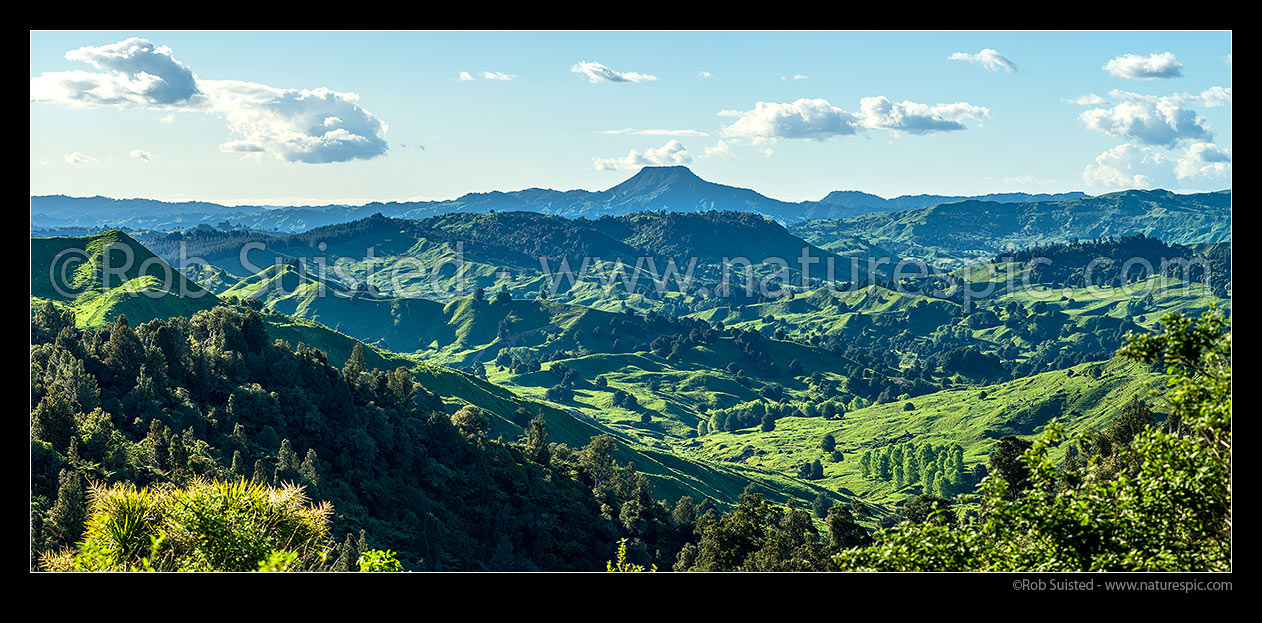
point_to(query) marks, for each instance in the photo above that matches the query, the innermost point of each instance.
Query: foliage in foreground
(1170, 512)
(622, 566)
(209, 525)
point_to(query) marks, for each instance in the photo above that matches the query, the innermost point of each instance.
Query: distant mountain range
(973, 226)
(846, 203)
(673, 189)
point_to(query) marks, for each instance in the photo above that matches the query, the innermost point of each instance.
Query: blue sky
(239, 117)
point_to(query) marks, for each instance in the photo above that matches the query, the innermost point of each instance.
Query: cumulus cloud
(795, 77)
(464, 76)
(595, 72)
(1151, 67)
(804, 118)
(135, 73)
(498, 75)
(141, 155)
(1149, 119)
(1204, 163)
(672, 153)
(75, 157)
(705, 75)
(1130, 166)
(167, 119)
(914, 118)
(296, 125)
(1214, 97)
(721, 150)
(988, 58)
(658, 132)
(1139, 166)
(818, 119)
(1090, 99)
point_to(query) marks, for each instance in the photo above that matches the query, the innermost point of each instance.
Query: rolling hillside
(986, 228)
(102, 276)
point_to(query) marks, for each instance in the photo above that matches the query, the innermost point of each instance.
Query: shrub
(209, 525)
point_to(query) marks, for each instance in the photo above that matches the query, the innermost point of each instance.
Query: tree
(66, 517)
(537, 441)
(1006, 463)
(471, 421)
(828, 443)
(124, 354)
(821, 505)
(354, 364)
(843, 530)
(684, 515)
(53, 420)
(926, 507)
(288, 466)
(817, 470)
(1172, 514)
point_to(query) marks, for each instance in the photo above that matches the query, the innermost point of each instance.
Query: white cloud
(804, 118)
(1200, 165)
(1130, 166)
(658, 132)
(705, 75)
(1151, 120)
(988, 58)
(1204, 163)
(1151, 67)
(596, 72)
(167, 119)
(296, 125)
(75, 157)
(1090, 99)
(818, 119)
(137, 73)
(672, 153)
(795, 77)
(464, 76)
(914, 118)
(721, 150)
(1214, 97)
(498, 75)
(141, 155)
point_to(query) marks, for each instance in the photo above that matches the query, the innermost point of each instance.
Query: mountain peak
(655, 177)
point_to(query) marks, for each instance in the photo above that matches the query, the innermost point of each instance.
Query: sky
(308, 118)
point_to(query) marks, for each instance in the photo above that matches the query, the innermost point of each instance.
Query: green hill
(987, 228)
(102, 276)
